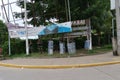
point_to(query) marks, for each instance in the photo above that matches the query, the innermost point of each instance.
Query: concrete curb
(59, 66)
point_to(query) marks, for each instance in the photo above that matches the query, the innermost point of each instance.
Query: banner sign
(78, 33)
(80, 28)
(34, 32)
(20, 31)
(78, 22)
(56, 28)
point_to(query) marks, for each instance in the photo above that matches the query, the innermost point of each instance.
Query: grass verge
(56, 54)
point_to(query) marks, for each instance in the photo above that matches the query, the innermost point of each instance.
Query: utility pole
(118, 25)
(66, 8)
(26, 29)
(69, 10)
(90, 35)
(8, 31)
(89, 32)
(69, 16)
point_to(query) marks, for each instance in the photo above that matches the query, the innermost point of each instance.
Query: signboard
(78, 22)
(20, 32)
(56, 28)
(80, 28)
(78, 33)
(33, 32)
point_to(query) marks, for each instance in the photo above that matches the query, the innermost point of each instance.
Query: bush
(17, 47)
(5, 48)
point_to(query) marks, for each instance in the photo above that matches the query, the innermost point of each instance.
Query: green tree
(41, 10)
(101, 20)
(3, 33)
(56, 9)
(35, 11)
(97, 10)
(17, 46)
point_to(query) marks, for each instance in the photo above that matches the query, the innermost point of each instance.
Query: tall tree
(3, 33)
(41, 10)
(35, 11)
(56, 9)
(101, 18)
(97, 10)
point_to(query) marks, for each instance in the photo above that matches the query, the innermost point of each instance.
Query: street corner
(59, 66)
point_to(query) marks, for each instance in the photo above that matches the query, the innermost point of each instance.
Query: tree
(101, 20)
(99, 13)
(56, 9)
(35, 11)
(97, 10)
(3, 33)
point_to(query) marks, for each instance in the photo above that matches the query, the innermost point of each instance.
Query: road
(110, 72)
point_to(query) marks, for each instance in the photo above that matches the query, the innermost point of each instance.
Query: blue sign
(56, 28)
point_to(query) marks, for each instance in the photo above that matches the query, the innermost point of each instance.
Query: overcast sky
(14, 8)
(112, 4)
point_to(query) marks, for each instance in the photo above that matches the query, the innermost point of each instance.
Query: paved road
(106, 57)
(111, 72)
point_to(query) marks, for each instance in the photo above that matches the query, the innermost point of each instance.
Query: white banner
(33, 32)
(20, 32)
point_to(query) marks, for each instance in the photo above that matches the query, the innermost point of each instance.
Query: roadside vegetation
(79, 53)
(98, 11)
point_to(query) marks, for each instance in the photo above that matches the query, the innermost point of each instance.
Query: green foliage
(3, 36)
(80, 52)
(5, 48)
(80, 42)
(17, 47)
(40, 10)
(3, 33)
(99, 50)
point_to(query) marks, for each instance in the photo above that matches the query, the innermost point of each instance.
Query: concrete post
(118, 25)
(25, 14)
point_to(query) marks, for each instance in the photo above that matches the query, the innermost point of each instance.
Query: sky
(112, 2)
(14, 8)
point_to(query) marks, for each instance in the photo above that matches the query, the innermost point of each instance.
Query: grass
(80, 52)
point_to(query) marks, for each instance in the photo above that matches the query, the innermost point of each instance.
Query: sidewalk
(106, 57)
